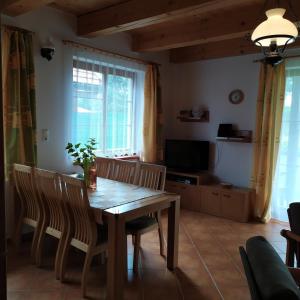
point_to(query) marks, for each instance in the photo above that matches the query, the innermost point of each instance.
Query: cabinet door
(189, 194)
(211, 201)
(192, 198)
(235, 206)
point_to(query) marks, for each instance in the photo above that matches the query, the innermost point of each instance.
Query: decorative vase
(92, 178)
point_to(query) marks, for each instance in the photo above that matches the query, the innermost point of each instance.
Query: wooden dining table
(116, 203)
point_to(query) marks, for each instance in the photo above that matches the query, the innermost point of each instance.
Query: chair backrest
(125, 170)
(294, 217)
(26, 188)
(104, 167)
(151, 176)
(82, 223)
(268, 277)
(48, 186)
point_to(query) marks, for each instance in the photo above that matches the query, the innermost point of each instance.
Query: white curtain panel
(106, 102)
(286, 185)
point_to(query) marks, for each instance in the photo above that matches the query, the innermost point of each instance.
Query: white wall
(49, 22)
(208, 84)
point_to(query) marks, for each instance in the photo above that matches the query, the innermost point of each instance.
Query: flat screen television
(187, 155)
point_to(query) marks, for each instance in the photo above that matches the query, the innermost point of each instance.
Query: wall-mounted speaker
(225, 130)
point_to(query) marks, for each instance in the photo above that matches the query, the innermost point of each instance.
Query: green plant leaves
(84, 155)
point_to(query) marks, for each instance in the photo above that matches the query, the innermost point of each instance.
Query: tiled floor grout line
(230, 257)
(203, 262)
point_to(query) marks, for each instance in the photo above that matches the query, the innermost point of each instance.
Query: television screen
(187, 155)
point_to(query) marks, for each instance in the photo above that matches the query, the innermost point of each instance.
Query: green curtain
(19, 98)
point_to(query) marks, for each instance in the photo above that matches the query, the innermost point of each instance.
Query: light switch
(45, 135)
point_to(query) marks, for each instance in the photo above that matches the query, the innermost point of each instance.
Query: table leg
(173, 231)
(116, 258)
(111, 260)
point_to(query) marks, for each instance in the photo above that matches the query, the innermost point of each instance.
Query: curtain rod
(105, 52)
(17, 28)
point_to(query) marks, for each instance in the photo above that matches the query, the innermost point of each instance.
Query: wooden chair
(293, 236)
(104, 167)
(82, 230)
(153, 177)
(53, 223)
(125, 170)
(30, 208)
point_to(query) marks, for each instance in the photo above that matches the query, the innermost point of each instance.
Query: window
(286, 188)
(107, 106)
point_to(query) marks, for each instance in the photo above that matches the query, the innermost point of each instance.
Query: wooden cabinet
(196, 194)
(231, 203)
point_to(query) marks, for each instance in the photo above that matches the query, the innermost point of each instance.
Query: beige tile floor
(209, 265)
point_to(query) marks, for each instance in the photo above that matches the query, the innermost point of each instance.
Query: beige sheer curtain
(152, 128)
(268, 125)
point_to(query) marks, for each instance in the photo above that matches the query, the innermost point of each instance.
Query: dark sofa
(268, 277)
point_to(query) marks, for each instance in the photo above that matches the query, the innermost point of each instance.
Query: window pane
(88, 89)
(119, 114)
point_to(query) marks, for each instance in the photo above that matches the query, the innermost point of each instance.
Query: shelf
(184, 117)
(240, 136)
(234, 139)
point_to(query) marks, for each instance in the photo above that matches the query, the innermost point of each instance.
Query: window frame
(105, 70)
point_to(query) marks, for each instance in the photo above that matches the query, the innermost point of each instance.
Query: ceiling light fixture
(274, 34)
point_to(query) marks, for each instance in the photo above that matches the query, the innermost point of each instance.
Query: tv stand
(188, 178)
(187, 186)
(199, 192)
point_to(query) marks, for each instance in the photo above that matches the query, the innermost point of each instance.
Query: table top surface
(110, 193)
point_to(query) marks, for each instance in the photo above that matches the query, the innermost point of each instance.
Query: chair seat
(140, 224)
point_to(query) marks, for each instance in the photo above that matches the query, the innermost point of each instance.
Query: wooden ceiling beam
(18, 7)
(140, 13)
(213, 27)
(234, 47)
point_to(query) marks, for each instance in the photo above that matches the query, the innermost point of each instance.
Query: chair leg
(39, 245)
(126, 259)
(64, 259)
(136, 251)
(58, 256)
(86, 268)
(36, 236)
(290, 251)
(298, 255)
(17, 234)
(160, 234)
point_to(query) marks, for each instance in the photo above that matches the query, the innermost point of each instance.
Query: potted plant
(84, 156)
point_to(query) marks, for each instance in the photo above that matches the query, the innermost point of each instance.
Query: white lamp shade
(274, 26)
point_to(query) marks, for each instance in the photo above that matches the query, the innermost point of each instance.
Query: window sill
(129, 157)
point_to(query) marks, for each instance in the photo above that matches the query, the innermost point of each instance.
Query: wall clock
(236, 96)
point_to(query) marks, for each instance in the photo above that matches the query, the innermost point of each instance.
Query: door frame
(3, 253)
